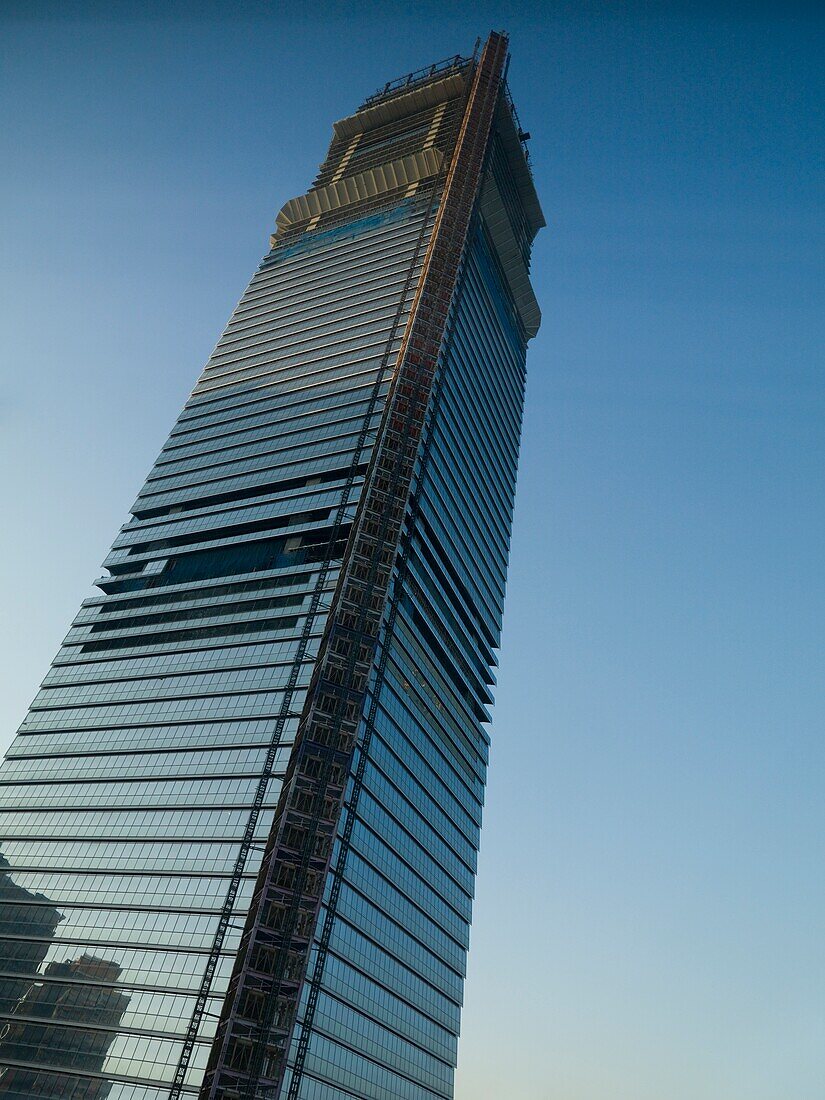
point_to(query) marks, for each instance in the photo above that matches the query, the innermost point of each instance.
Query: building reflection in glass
(44, 1011)
(21, 917)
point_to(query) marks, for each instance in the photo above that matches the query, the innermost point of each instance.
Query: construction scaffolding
(249, 1057)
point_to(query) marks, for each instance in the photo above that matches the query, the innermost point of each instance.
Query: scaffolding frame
(249, 1056)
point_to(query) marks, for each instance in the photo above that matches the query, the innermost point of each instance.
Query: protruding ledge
(506, 129)
(510, 256)
(400, 106)
(366, 185)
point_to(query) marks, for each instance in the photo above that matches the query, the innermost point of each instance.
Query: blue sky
(651, 902)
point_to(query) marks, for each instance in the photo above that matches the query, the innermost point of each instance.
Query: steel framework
(249, 1056)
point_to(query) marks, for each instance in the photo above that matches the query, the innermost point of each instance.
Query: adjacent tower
(241, 817)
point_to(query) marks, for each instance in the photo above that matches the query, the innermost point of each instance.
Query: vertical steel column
(249, 1055)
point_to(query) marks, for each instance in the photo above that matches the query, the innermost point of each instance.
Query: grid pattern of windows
(126, 793)
(402, 921)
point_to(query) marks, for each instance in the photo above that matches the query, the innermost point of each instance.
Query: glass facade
(147, 798)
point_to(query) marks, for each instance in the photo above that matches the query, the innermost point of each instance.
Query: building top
(399, 143)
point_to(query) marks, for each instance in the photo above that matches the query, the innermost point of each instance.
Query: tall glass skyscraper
(240, 821)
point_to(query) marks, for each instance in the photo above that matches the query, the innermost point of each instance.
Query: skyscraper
(241, 817)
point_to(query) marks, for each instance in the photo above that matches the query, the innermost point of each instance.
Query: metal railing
(404, 83)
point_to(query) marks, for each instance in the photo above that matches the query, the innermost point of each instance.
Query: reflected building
(68, 1019)
(251, 782)
(22, 914)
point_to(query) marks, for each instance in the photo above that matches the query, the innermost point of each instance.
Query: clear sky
(651, 903)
